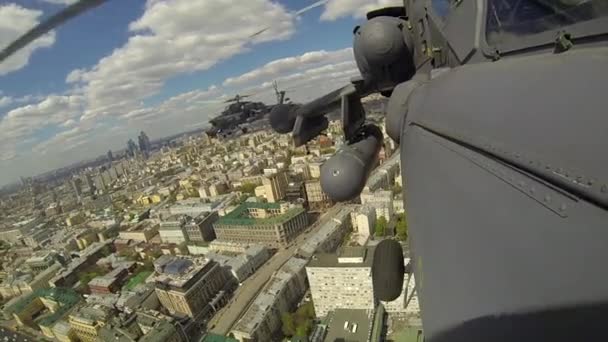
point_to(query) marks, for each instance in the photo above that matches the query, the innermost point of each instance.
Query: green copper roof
(240, 216)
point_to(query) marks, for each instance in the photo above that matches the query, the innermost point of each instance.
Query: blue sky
(159, 65)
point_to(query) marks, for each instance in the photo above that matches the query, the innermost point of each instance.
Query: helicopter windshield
(515, 18)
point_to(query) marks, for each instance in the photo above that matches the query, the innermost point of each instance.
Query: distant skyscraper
(110, 156)
(144, 143)
(77, 186)
(131, 148)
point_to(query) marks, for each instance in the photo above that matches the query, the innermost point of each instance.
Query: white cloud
(290, 64)
(19, 125)
(335, 9)
(5, 101)
(55, 109)
(14, 21)
(174, 37)
(306, 76)
(65, 140)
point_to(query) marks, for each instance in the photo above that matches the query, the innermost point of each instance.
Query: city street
(7, 335)
(224, 319)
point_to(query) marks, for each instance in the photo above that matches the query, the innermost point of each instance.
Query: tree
(302, 330)
(288, 325)
(381, 224)
(397, 189)
(401, 227)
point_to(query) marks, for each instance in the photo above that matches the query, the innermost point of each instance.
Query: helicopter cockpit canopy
(512, 19)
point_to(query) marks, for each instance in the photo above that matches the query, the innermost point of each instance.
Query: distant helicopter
(498, 106)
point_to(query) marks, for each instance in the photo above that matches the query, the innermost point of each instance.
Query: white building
(341, 282)
(363, 221)
(173, 230)
(381, 200)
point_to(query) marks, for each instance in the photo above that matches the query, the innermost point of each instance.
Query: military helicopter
(498, 109)
(497, 106)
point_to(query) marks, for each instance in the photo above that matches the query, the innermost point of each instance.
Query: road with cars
(11, 336)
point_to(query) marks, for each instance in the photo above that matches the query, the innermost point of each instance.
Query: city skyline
(57, 107)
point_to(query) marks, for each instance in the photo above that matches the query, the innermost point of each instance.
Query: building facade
(173, 229)
(87, 321)
(200, 229)
(317, 198)
(269, 224)
(262, 320)
(341, 281)
(194, 287)
(275, 187)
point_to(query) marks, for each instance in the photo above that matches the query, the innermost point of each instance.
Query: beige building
(272, 225)
(14, 285)
(11, 235)
(275, 186)
(191, 286)
(86, 321)
(314, 169)
(317, 198)
(43, 308)
(341, 281)
(143, 231)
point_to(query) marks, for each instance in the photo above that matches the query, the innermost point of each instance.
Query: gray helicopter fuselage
(504, 163)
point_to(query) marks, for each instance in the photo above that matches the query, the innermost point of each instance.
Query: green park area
(137, 279)
(300, 322)
(409, 334)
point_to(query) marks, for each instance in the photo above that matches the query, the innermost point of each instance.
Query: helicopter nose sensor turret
(383, 52)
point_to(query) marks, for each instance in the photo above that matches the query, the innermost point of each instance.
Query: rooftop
(92, 313)
(66, 297)
(265, 300)
(353, 258)
(184, 270)
(349, 325)
(240, 215)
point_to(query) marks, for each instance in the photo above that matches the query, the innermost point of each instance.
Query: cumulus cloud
(65, 140)
(15, 21)
(174, 37)
(55, 109)
(5, 101)
(335, 9)
(290, 64)
(306, 76)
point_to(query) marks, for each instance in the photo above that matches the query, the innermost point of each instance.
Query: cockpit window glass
(507, 19)
(441, 8)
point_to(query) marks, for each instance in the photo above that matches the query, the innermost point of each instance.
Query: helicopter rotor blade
(49, 24)
(295, 15)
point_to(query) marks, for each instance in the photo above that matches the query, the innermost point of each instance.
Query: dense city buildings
(205, 232)
(270, 224)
